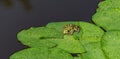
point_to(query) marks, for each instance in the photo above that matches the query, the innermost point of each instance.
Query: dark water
(16, 15)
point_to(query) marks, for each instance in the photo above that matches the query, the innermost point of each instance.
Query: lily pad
(94, 51)
(107, 15)
(90, 32)
(41, 53)
(69, 44)
(110, 44)
(36, 37)
(107, 4)
(31, 53)
(91, 37)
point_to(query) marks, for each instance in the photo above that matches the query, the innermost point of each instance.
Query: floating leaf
(41, 53)
(69, 44)
(35, 37)
(110, 44)
(107, 15)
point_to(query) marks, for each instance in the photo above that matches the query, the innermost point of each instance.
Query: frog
(69, 29)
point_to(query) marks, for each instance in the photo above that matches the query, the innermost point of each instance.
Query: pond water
(16, 15)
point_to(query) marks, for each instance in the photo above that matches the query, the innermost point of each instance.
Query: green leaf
(41, 53)
(90, 33)
(110, 44)
(90, 37)
(107, 15)
(87, 30)
(56, 53)
(31, 53)
(69, 44)
(94, 51)
(105, 5)
(35, 37)
(51, 36)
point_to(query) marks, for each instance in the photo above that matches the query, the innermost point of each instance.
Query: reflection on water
(25, 3)
(8, 3)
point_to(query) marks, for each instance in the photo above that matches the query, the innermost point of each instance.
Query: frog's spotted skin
(70, 29)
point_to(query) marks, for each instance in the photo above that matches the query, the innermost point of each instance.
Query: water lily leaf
(56, 53)
(94, 51)
(41, 53)
(31, 53)
(69, 44)
(91, 37)
(107, 4)
(35, 37)
(110, 44)
(107, 15)
(90, 32)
